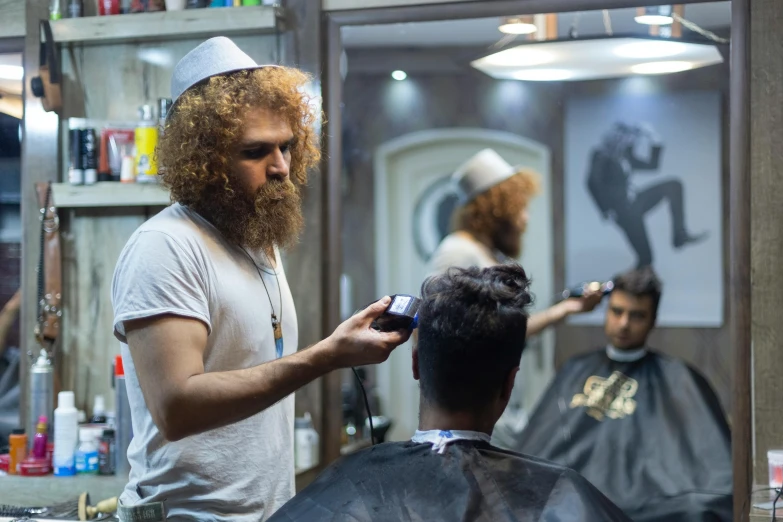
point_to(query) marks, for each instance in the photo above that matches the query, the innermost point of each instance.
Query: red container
(108, 7)
(32, 467)
(5, 461)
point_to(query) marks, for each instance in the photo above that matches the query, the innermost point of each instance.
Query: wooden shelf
(109, 194)
(164, 25)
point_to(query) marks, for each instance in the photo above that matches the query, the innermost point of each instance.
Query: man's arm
(184, 400)
(7, 317)
(556, 313)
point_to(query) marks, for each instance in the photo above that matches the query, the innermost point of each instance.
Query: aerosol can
(41, 389)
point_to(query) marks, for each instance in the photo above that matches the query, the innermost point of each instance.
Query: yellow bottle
(146, 138)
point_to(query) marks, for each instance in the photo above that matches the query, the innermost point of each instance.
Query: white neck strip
(440, 438)
(625, 355)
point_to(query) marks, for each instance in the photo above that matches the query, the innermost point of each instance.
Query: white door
(413, 203)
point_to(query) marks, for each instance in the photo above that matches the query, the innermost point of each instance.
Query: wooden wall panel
(766, 164)
(91, 242)
(12, 14)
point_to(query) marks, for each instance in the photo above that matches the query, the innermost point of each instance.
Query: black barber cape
(650, 434)
(471, 481)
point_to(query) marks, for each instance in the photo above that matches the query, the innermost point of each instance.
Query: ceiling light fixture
(597, 58)
(11, 72)
(658, 15)
(661, 67)
(399, 75)
(516, 25)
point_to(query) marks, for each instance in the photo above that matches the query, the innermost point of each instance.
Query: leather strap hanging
(49, 271)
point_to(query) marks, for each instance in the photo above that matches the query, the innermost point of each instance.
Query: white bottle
(306, 442)
(87, 454)
(66, 435)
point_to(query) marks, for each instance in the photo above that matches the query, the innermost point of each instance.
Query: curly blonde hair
(195, 150)
(501, 204)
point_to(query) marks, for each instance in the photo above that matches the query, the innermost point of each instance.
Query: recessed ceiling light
(516, 25)
(654, 20)
(661, 67)
(399, 75)
(11, 72)
(657, 15)
(542, 75)
(650, 49)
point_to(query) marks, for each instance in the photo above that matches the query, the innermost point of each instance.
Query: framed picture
(643, 187)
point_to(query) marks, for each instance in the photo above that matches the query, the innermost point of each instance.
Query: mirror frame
(739, 297)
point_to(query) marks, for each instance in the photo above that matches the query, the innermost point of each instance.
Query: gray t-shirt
(459, 250)
(178, 263)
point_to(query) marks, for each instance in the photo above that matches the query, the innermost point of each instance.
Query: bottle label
(86, 462)
(64, 471)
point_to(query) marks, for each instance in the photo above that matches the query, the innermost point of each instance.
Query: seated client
(471, 335)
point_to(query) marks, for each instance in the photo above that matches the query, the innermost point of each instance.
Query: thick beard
(270, 217)
(507, 238)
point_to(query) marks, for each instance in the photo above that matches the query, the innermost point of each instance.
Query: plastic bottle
(146, 139)
(307, 447)
(86, 458)
(66, 435)
(124, 429)
(41, 438)
(98, 411)
(41, 398)
(18, 450)
(106, 453)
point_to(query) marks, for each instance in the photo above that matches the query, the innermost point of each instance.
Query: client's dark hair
(472, 326)
(639, 283)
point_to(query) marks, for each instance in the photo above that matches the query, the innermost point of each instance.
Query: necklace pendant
(277, 328)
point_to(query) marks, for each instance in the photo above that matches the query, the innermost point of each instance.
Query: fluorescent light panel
(593, 59)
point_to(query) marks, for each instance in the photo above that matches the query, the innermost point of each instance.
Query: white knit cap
(480, 173)
(216, 56)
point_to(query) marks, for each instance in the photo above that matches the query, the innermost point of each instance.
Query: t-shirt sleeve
(574, 499)
(156, 275)
(454, 253)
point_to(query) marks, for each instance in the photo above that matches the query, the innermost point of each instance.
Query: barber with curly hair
(489, 224)
(202, 307)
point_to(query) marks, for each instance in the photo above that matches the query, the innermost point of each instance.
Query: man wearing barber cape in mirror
(487, 230)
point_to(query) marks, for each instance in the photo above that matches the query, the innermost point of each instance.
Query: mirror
(623, 116)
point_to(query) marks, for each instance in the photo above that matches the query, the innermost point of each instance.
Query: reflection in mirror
(608, 132)
(11, 74)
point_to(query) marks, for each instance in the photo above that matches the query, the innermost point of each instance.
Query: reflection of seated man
(9, 370)
(472, 331)
(644, 428)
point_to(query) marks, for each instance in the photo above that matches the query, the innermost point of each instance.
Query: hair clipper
(401, 314)
(579, 291)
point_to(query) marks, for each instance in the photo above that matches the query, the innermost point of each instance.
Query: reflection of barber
(9, 370)
(7, 317)
(608, 181)
(490, 223)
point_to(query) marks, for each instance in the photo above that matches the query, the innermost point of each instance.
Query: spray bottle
(124, 430)
(41, 389)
